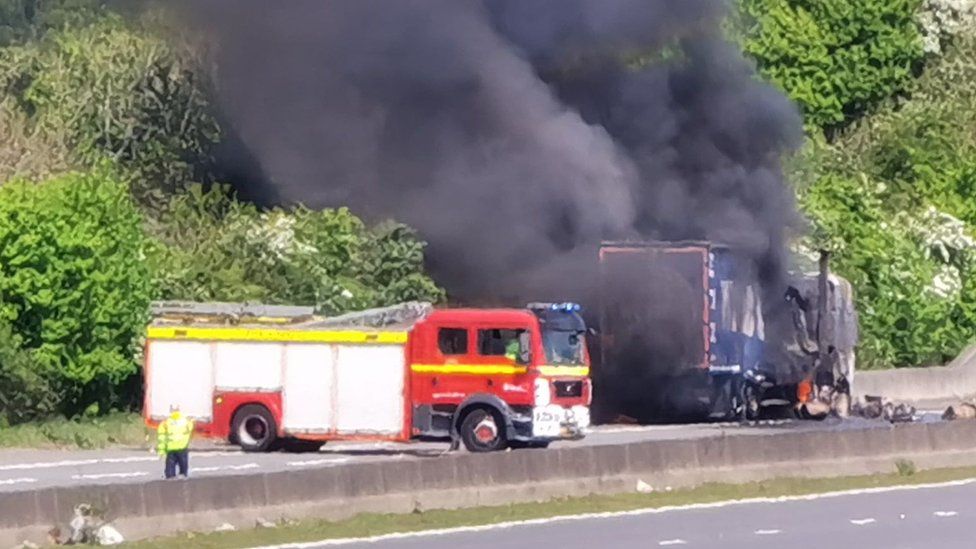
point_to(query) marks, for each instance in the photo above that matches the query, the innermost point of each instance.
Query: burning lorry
(265, 377)
(685, 335)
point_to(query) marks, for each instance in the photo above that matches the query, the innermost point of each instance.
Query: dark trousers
(179, 459)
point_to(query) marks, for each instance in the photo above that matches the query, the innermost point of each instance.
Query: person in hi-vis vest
(173, 442)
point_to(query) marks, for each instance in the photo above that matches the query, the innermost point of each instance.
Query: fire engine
(267, 377)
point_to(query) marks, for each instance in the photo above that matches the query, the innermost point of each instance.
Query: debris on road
(875, 407)
(87, 527)
(225, 527)
(964, 410)
(262, 523)
(644, 488)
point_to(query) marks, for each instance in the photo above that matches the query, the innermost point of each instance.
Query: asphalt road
(34, 469)
(924, 518)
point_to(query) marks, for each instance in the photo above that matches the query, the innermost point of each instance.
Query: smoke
(515, 135)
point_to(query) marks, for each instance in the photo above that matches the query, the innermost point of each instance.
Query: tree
(117, 92)
(838, 59)
(214, 248)
(74, 285)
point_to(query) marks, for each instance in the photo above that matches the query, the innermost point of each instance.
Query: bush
(120, 93)
(214, 248)
(25, 388)
(893, 196)
(74, 283)
(836, 58)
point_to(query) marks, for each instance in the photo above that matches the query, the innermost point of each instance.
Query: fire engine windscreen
(563, 337)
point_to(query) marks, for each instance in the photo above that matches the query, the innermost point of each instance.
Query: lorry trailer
(267, 377)
(684, 334)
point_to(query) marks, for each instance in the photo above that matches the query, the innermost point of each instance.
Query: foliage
(118, 93)
(21, 20)
(836, 58)
(74, 282)
(214, 248)
(112, 429)
(893, 197)
(25, 389)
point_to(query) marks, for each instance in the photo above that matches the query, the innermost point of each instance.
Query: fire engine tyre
(254, 428)
(483, 431)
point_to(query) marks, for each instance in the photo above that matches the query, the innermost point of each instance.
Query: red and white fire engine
(265, 377)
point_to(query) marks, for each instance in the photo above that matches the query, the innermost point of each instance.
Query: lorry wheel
(482, 431)
(254, 428)
(750, 403)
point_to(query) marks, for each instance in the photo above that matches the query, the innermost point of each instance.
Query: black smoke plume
(513, 134)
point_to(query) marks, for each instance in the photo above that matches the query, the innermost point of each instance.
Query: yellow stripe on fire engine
(473, 369)
(564, 371)
(259, 334)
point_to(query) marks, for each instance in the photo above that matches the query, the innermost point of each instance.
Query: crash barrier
(940, 385)
(461, 480)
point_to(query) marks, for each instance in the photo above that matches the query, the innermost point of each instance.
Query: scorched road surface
(33, 469)
(933, 517)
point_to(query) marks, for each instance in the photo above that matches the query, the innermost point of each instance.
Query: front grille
(569, 389)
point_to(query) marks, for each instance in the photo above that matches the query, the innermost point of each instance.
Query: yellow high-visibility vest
(174, 435)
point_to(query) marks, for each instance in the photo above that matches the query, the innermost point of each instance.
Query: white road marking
(317, 462)
(861, 522)
(224, 468)
(672, 542)
(17, 481)
(96, 461)
(767, 532)
(110, 475)
(945, 513)
(616, 514)
(47, 465)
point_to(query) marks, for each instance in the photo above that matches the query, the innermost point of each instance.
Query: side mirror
(525, 347)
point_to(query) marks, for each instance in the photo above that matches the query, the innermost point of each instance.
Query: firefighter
(512, 350)
(173, 442)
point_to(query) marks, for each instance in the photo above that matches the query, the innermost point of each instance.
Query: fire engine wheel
(254, 428)
(483, 431)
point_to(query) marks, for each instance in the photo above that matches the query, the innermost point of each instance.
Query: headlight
(543, 394)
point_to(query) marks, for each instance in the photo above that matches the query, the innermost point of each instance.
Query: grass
(115, 429)
(376, 524)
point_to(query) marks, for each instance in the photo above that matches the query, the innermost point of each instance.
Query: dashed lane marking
(328, 461)
(17, 481)
(110, 475)
(672, 542)
(862, 522)
(767, 532)
(242, 467)
(945, 513)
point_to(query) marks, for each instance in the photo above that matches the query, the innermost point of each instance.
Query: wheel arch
(484, 401)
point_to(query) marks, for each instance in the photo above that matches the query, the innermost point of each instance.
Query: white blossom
(943, 19)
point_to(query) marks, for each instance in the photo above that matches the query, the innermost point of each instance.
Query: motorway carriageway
(25, 470)
(920, 517)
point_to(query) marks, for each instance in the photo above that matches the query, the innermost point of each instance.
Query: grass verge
(115, 429)
(376, 524)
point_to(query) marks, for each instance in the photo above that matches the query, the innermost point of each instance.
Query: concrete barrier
(459, 480)
(936, 385)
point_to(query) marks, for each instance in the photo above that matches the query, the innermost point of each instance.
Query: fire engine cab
(266, 377)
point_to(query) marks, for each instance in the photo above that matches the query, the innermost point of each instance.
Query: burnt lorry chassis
(685, 335)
